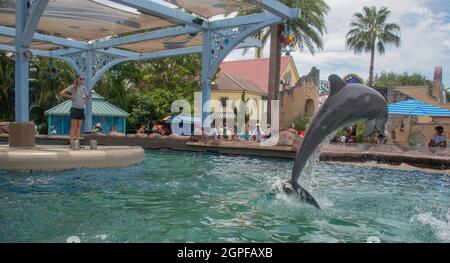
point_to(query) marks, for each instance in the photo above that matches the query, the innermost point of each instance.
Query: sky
(425, 33)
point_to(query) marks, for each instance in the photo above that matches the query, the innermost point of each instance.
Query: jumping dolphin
(346, 104)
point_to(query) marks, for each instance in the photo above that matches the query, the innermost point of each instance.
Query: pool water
(199, 197)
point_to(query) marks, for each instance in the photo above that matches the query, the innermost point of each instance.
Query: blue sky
(425, 35)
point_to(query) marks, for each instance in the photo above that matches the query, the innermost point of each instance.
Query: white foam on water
(73, 239)
(373, 239)
(440, 226)
(102, 236)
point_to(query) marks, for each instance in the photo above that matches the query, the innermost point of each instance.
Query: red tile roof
(255, 70)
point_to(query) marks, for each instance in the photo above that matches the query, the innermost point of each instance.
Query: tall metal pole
(206, 81)
(89, 85)
(21, 67)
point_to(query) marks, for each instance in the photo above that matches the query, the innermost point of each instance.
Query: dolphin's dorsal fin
(370, 127)
(336, 84)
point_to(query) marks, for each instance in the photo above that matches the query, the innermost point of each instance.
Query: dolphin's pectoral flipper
(370, 127)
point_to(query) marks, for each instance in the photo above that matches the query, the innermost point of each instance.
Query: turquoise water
(199, 197)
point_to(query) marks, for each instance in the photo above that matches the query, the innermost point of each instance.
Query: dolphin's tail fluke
(295, 188)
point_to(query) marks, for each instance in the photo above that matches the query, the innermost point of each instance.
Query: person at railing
(438, 139)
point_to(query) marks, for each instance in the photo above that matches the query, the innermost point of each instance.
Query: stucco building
(298, 95)
(417, 130)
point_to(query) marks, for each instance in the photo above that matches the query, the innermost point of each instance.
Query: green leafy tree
(370, 32)
(6, 89)
(47, 78)
(389, 79)
(151, 106)
(146, 89)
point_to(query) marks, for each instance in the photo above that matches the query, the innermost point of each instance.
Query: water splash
(307, 177)
(73, 239)
(440, 225)
(373, 239)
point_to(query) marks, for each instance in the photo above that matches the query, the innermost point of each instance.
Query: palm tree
(308, 31)
(369, 31)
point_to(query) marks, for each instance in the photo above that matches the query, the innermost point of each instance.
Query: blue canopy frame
(95, 58)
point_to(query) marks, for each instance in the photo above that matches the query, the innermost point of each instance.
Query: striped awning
(417, 108)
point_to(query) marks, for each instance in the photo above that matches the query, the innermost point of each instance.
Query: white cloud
(425, 41)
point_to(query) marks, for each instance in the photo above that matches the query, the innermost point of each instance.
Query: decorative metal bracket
(101, 60)
(224, 40)
(79, 60)
(223, 37)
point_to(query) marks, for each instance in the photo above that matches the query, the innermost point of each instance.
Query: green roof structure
(100, 107)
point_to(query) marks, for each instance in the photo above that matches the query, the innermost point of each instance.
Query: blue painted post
(89, 85)
(206, 81)
(21, 67)
(112, 123)
(49, 122)
(63, 119)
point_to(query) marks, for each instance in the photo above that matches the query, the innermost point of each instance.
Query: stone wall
(437, 91)
(301, 99)
(419, 133)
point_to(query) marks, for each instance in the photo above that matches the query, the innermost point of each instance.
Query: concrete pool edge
(51, 158)
(386, 154)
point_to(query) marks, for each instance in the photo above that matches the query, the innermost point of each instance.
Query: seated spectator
(245, 135)
(158, 129)
(214, 132)
(97, 128)
(351, 135)
(148, 130)
(267, 132)
(292, 128)
(53, 130)
(438, 139)
(258, 133)
(141, 130)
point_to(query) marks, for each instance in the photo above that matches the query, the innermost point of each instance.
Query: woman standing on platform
(78, 93)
